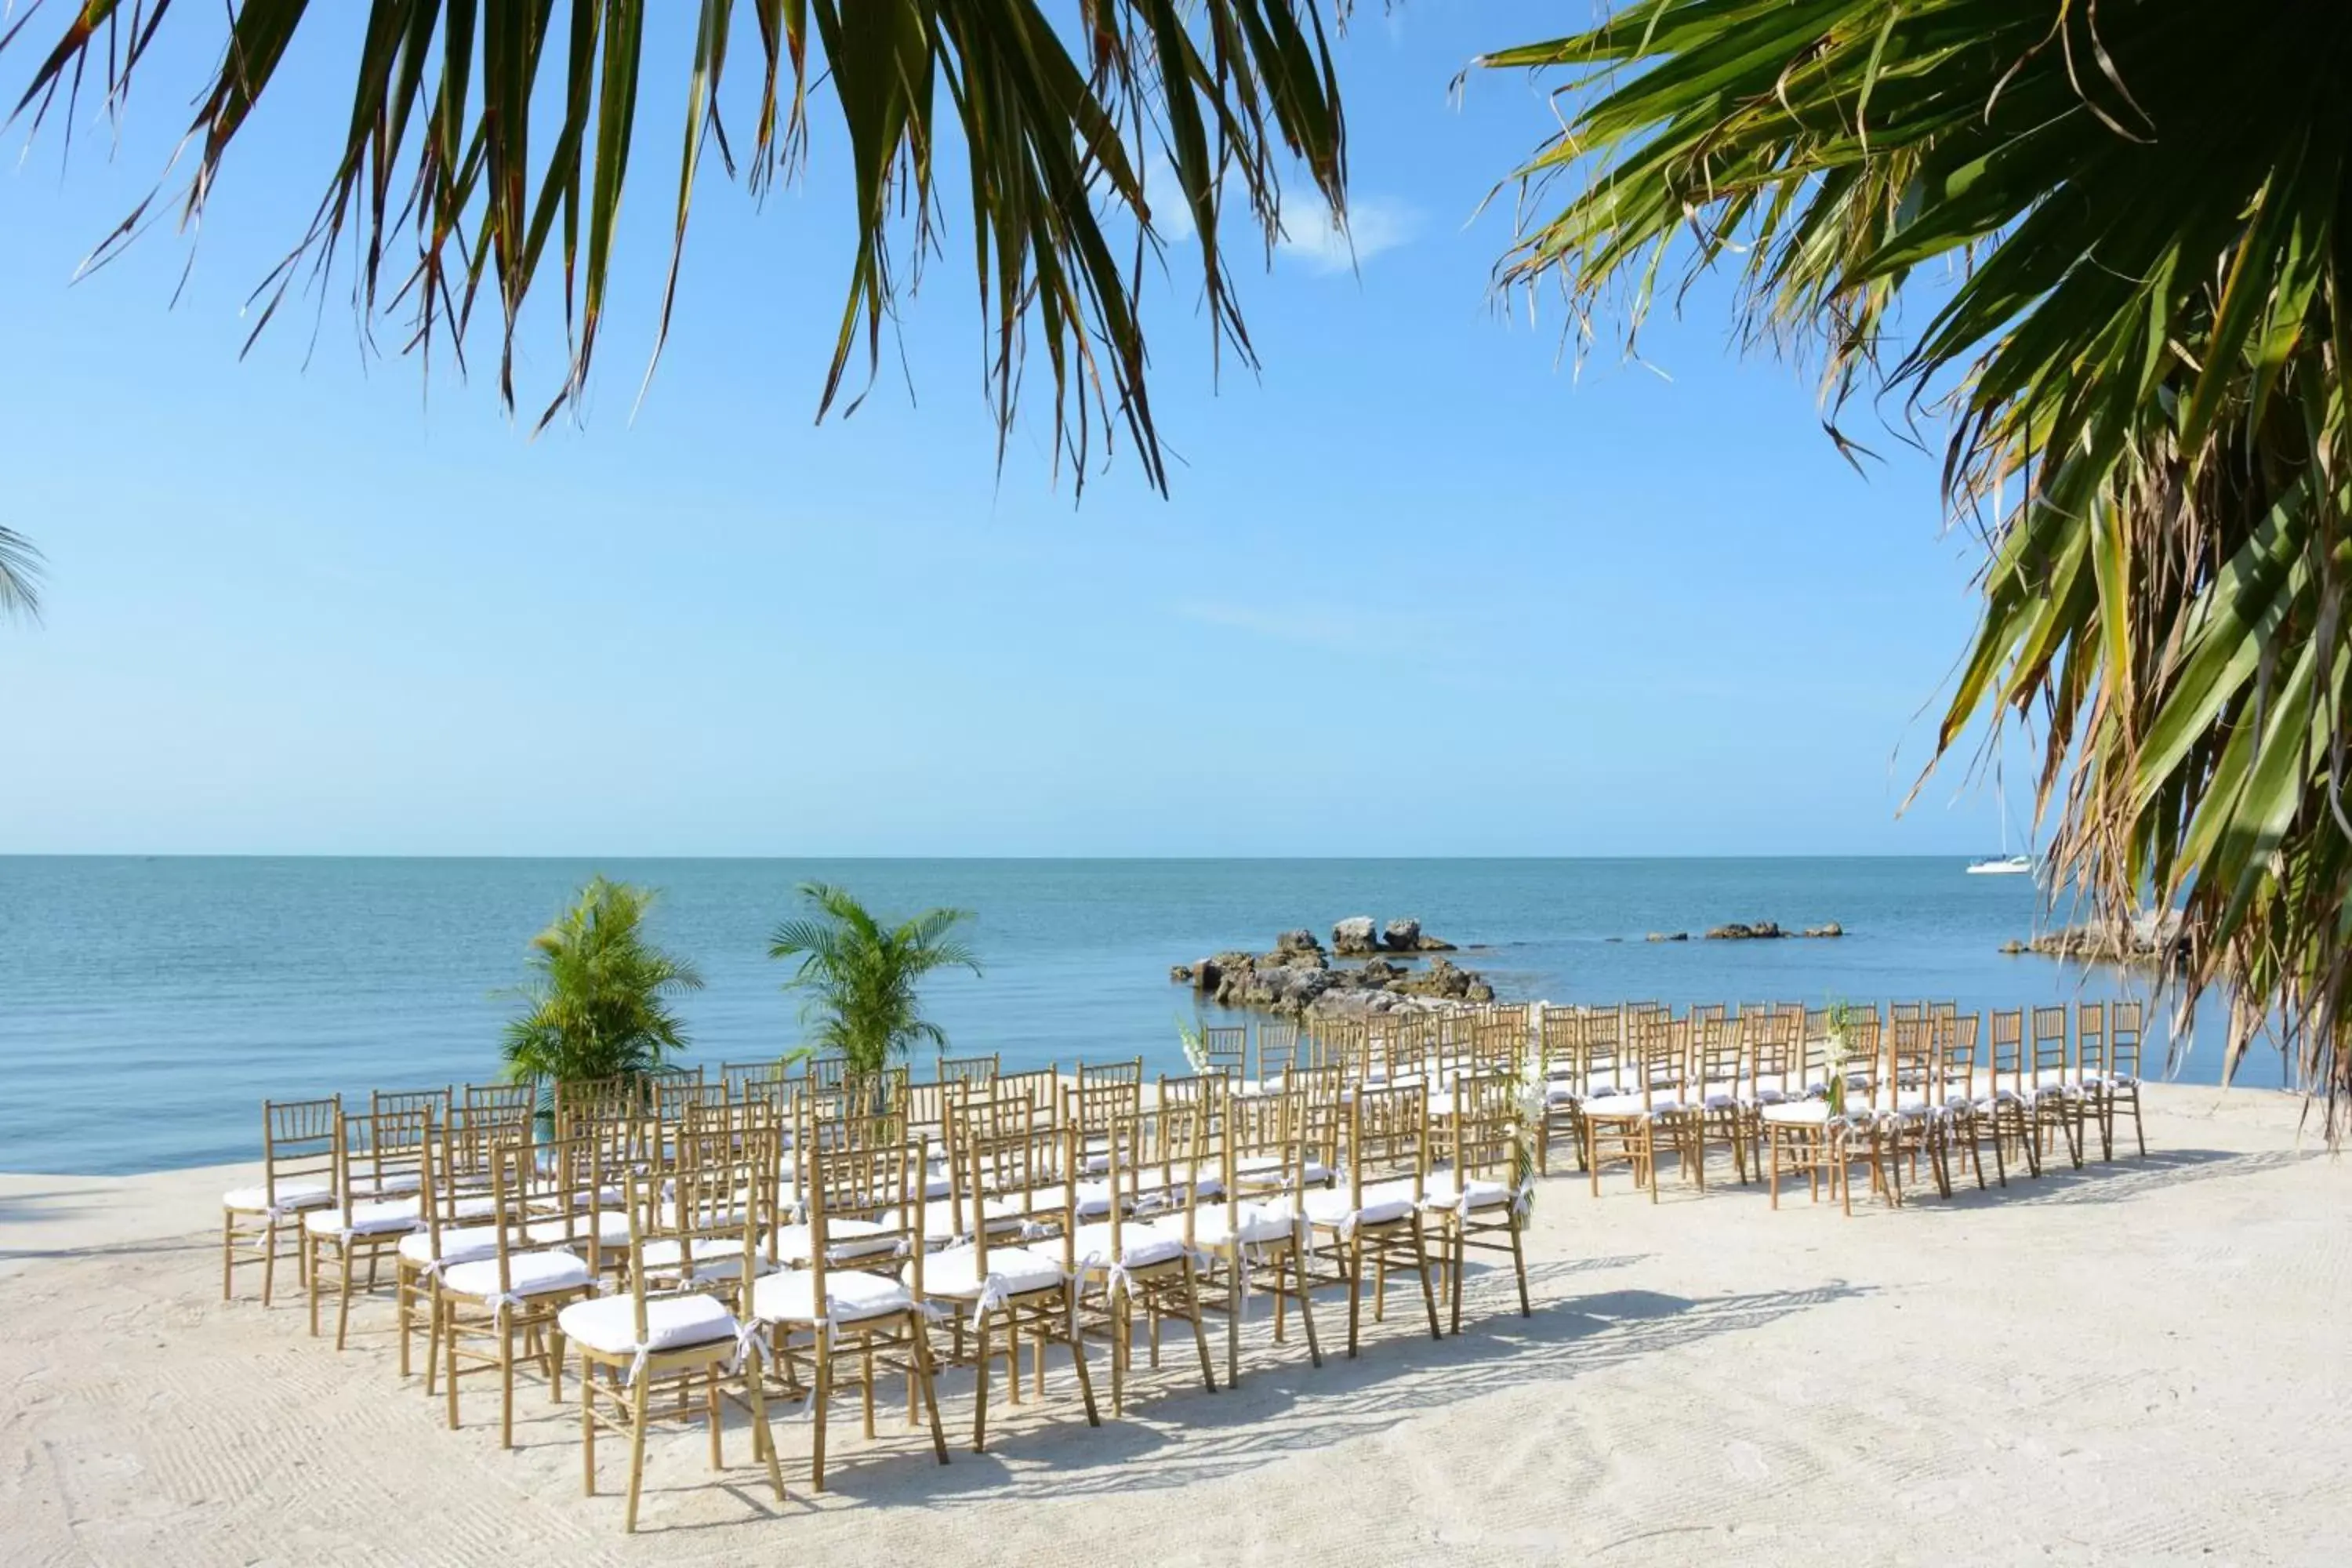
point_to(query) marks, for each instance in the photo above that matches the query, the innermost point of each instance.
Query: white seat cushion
(1799, 1113)
(849, 1296)
(612, 1230)
(1140, 1246)
(292, 1195)
(461, 1245)
(528, 1274)
(940, 1218)
(1017, 1270)
(1442, 1193)
(1214, 1228)
(847, 1238)
(1610, 1105)
(388, 1218)
(714, 1258)
(672, 1322)
(1334, 1206)
(1256, 1169)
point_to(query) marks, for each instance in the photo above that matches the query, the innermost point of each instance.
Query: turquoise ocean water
(147, 1005)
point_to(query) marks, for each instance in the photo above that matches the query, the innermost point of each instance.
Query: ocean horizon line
(566, 857)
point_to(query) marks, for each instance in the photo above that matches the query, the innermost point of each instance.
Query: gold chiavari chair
(1559, 1036)
(1717, 1079)
(455, 1225)
(1248, 1234)
(1090, 1107)
(761, 1081)
(1009, 1287)
(1913, 1104)
(2054, 1096)
(2119, 1083)
(1279, 1050)
(518, 1292)
(298, 1142)
(1224, 1049)
(1125, 1264)
(1625, 1127)
(369, 1149)
(1967, 1115)
(841, 1323)
(686, 1344)
(435, 1103)
(1485, 1189)
(978, 1071)
(2007, 1103)
(1376, 1216)
(609, 1100)
(2089, 1075)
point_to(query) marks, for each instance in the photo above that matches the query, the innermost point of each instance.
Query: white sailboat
(2004, 864)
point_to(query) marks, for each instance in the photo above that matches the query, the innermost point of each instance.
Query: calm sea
(147, 1005)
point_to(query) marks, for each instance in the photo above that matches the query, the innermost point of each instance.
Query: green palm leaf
(20, 576)
(433, 190)
(2125, 227)
(862, 977)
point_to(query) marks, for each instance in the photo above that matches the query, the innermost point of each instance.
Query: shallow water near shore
(149, 1005)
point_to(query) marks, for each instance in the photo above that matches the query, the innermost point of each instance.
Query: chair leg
(1355, 1291)
(447, 1318)
(506, 1380)
(1428, 1295)
(1454, 1278)
(228, 1257)
(919, 1333)
(311, 1278)
(1237, 1299)
(587, 1427)
(824, 1380)
(343, 1298)
(1086, 1377)
(1200, 1333)
(1305, 1304)
(1519, 1268)
(763, 1439)
(636, 1444)
(979, 1385)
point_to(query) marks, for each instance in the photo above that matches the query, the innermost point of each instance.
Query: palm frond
(20, 576)
(861, 978)
(596, 1006)
(480, 138)
(2125, 226)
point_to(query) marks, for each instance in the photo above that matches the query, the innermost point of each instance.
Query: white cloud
(1375, 224)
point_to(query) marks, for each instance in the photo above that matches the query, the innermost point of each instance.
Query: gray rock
(1832, 929)
(1353, 936)
(1433, 944)
(1401, 936)
(1665, 936)
(1300, 940)
(1180, 974)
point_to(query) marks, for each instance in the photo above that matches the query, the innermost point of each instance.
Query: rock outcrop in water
(2151, 938)
(1762, 931)
(1298, 976)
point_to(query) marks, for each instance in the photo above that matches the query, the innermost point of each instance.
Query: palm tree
(478, 134)
(862, 976)
(600, 1005)
(20, 576)
(2122, 231)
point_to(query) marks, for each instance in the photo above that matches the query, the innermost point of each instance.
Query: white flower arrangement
(1841, 1051)
(1531, 1098)
(1194, 1037)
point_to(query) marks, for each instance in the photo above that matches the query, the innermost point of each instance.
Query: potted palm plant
(861, 977)
(599, 1004)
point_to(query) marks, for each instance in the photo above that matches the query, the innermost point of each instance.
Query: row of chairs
(1820, 1092)
(764, 1234)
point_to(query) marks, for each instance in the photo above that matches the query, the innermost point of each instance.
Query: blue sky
(1423, 587)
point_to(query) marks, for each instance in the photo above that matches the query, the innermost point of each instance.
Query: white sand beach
(2144, 1362)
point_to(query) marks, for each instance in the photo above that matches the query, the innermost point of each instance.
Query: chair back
(1388, 1139)
(1278, 1049)
(300, 1144)
(2090, 1040)
(977, 1071)
(2050, 1063)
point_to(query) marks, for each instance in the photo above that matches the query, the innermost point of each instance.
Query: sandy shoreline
(2145, 1361)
